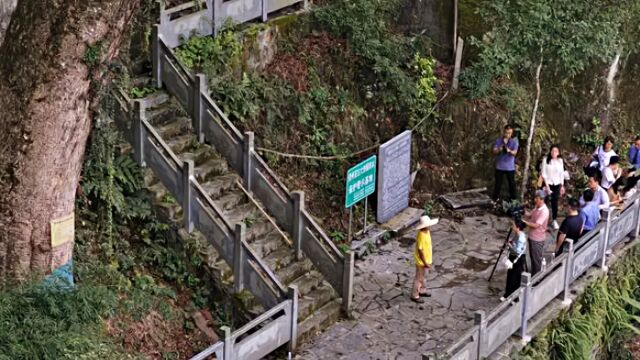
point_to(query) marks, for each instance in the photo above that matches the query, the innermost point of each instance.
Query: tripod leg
(500, 255)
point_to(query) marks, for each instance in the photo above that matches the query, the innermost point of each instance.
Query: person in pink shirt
(537, 222)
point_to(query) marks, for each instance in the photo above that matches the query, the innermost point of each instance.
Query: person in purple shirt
(590, 212)
(505, 149)
(634, 154)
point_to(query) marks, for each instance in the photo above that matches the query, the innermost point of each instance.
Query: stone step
(314, 300)
(320, 320)
(200, 154)
(162, 114)
(180, 143)
(220, 185)
(210, 170)
(296, 269)
(266, 244)
(279, 259)
(242, 213)
(307, 282)
(150, 178)
(152, 100)
(180, 125)
(230, 200)
(259, 228)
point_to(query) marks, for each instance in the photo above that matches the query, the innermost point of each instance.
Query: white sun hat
(426, 221)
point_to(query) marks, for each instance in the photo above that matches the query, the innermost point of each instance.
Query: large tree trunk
(48, 74)
(532, 132)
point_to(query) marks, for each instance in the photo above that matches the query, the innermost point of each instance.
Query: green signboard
(361, 181)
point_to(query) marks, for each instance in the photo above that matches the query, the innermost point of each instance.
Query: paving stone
(389, 325)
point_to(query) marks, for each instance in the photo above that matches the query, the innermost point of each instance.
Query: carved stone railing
(206, 17)
(288, 209)
(511, 317)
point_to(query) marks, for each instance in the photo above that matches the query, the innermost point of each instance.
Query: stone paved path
(388, 325)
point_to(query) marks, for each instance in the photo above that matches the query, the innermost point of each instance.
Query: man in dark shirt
(571, 227)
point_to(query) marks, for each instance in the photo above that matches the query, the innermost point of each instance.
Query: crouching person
(423, 259)
(516, 259)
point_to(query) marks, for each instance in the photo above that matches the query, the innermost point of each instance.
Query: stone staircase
(319, 304)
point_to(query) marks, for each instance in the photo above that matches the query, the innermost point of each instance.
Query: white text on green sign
(361, 181)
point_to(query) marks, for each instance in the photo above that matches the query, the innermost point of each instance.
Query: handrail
(273, 176)
(210, 203)
(204, 354)
(222, 115)
(163, 145)
(503, 305)
(174, 59)
(181, 7)
(264, 213)
(323, 236)
(262, 318)
(463, 338)
(270, 275)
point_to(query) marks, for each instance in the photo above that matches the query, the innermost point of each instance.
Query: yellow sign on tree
(62, 230)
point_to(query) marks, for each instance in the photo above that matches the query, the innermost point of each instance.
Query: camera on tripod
(514, 210)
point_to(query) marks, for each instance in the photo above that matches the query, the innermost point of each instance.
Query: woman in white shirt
(603, 154)
(610, 179)
(553, 173)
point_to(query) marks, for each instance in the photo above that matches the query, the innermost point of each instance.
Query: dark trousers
(554, 198)
(511, 182)
(536, 249)
(514, 274)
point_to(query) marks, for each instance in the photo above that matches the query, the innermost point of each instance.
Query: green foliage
(569, 36)
(39, 324)
(213, 56)
(138, 93)
(92, 54)
(605, 315)
(592, 139)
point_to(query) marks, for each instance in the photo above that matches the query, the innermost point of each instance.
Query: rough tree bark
(532, 131)
(46, 91)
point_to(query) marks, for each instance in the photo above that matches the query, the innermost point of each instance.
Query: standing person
(611, 176)
(423, 258)
(537, 222)
(634, 172)
(517, 247)
(602, 155)
(505, 149)
(553, 175)
(572, 226)
(600, 195)
(590, 211)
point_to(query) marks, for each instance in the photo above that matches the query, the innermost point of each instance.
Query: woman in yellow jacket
(422, 257)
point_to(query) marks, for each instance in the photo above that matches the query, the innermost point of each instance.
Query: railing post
(247, 152)
(198, 90)
(265, 14)
(228, 343)
(187, 206)
(157, 55)
(210, 10)
(217, 14)
(298, 207)
(637, 218)
(347, 283)
(293, 296)
(305, 4)
(138, 131)
(525, 281)
(568, 274)
(238, 257)
(607, 233)
(480, 319)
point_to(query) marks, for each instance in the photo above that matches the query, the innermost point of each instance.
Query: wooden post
(525, 281)
(293, 297)
(347, 283)
(187, 176)
(458, 64)
(138, 132)
(157, 57)
(238, 258)
(248, 151)
(201, 88)
(481, 321)
(568, 274)
(298, 207)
